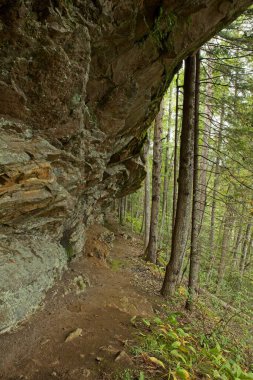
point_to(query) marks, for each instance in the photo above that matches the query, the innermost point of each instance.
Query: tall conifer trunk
(151, 250)
(147, 199)
(185, 181)
(166, 169)
(236, 246)
(195, 252)
(205, 147)
(215, 190)
(175, 157)
(224, 247)
(245, 248)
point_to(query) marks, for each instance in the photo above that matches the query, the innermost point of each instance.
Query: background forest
(199, 155)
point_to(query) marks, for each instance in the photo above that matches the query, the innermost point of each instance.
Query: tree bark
(166, 168)
(205, 147)
(249, 255)
(224, 248)
(185, 181)
(175, 158)
(215, 189)
(121, 211)
(236, 246)
(151, 250)
(195, 252)
(147, 198)
(245, 248)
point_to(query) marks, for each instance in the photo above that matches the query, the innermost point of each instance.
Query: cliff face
(80, 82)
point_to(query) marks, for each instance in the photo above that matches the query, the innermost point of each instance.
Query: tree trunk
(147, 198)
(175, 158)
(205, 148)
(224, 248)
(185, 181)
(151, 250)
(195, 253)
(142, 213)
(131, 211)
(245, 248)
(215, 189)
(236, 246)
(249, 255)
(121, 211)
(166, 167)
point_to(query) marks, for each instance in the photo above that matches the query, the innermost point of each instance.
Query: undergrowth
(167, 350)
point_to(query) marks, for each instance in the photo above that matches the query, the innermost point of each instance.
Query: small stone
(74, 334)
(81, 282)
(99, 359)
(124, 358)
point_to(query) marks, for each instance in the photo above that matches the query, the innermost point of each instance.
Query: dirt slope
(95, 295)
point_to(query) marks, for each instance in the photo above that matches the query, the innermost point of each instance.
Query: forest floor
(95, 299)
(86, 327)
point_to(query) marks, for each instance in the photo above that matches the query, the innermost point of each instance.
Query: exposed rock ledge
(80, 82)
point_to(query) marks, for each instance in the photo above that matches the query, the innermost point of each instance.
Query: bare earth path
(96, 297)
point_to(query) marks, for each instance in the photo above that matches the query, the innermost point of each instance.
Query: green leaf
(158, 321)
(173, 319)
(146, 322)
(183, 374)
(216, 374)
(177, 355)
(247, 376)
(176, 344)
(156, 361)
(191, 349)
(181, 332)
(172, 335)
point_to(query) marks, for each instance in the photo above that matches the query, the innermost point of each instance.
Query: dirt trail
(93, 296)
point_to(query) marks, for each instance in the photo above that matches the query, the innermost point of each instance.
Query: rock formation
(80, 82)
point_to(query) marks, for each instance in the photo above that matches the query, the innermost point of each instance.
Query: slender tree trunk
(141, 232)
(245, 248)
(131, 210)
(166, 168)
(195, 253)
(205, 148)
(125, 207)
(183, 268)
(147, 198)
(151, 250)
(224, 248)
(185, 181)
(122, 211)
(236, 246)
(215, 190)
(249, 255)
(175, 157)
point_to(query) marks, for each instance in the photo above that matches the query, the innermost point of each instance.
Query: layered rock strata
(80, 82)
